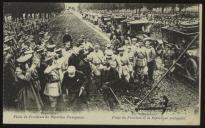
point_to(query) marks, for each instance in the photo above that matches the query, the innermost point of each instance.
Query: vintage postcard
(102, 63)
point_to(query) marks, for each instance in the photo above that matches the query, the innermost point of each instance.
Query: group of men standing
(41, 75)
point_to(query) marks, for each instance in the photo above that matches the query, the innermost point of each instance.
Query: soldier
(108, 47)
(28, 84)
(96, 66)
(53, 88)
(109, 78)
(116, 44)
(88, 44)
(40, 54)
(59, 60)
(150, 56)
(97, 54)
(73, 86)
(140, 64)
(125, 74)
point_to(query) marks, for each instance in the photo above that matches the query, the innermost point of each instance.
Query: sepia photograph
(102, 63)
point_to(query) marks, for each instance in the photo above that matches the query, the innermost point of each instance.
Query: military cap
(145, 36)
(120, 49)
(109, 53)
(108, 45)
(4, 53)
(48, 58)
(25, 58)
(41, 33)
(59, 50)
(82, 36)
(134, 39)
(129, 47)
(7, 38)
(51, 46)
(40, 49)
(28, 52)
(147, 39)
(6, 49)
(160, 41)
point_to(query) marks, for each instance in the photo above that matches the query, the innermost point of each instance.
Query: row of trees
(138, 6)
(16, 9)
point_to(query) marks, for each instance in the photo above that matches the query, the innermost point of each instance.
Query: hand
(81, 91)
(26, 66)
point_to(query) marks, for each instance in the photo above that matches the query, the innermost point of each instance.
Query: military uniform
(151, 63)
(29, 86)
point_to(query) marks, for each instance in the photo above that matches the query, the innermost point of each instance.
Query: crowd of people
(37, 73)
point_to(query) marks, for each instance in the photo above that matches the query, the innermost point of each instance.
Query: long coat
(28, 96)
(9, 79)
(73, 85)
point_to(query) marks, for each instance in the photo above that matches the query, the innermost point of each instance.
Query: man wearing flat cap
(73, 86)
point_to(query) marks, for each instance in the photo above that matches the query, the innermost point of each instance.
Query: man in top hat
(67, 38)
(29, 85)
(150, 57)
(74, 59)
(73, 86)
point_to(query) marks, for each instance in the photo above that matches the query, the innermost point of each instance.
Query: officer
(125, 74)
(73, 86)
(29, 85)
(113, 60)
(53, 88)
(97, 54)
